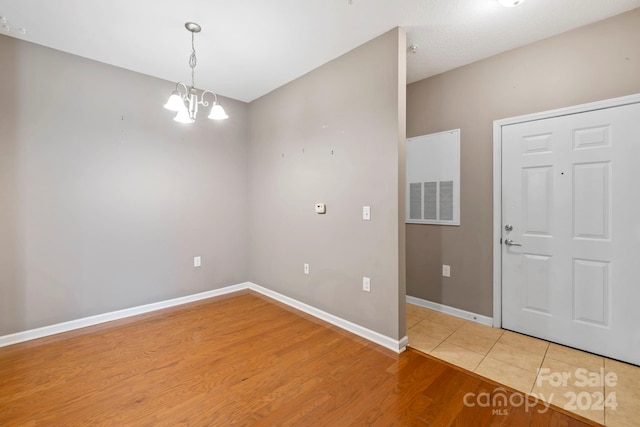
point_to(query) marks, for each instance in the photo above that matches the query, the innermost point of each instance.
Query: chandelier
(184, 100)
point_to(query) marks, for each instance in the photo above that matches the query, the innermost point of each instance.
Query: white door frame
(497, 180)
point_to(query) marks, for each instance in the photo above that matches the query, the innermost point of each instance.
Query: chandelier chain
(186, 104)
(193, 61)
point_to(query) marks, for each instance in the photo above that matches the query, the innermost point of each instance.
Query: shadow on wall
(12, 298)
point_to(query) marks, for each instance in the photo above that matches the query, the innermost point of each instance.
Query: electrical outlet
(366, 213)
(446, 270)
(197, 261)
(306, 269)
(366, 284)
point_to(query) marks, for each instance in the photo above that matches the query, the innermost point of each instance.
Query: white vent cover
(433, 179)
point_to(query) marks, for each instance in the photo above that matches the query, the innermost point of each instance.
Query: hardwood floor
(241, 360)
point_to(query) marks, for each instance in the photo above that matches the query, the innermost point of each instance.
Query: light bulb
(510, 3)
(217, 112)
(183, 117)
(175, 103)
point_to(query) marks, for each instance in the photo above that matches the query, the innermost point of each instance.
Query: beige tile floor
(600, 389)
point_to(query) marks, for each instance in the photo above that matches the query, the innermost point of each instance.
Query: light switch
(197, 261)
(321, 208)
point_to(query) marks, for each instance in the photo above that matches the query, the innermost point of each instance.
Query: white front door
(571, 230)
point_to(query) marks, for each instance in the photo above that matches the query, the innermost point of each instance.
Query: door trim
(497, 180)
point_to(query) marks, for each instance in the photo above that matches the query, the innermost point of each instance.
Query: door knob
(510, 242)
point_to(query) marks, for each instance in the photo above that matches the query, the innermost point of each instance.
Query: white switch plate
(197, 261)
(306, 269)
(446, 270)
(366, 284)
(366, 213)
(321, 208)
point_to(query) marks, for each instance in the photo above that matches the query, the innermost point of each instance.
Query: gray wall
(591, 63)
(335, 136)
(104, 200)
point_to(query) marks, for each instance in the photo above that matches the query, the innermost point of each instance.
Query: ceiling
(248, 48)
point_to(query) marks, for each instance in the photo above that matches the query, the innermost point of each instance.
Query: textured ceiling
(247, 48)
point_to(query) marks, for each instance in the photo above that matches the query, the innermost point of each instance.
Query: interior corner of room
(105, 203)
(110, 208)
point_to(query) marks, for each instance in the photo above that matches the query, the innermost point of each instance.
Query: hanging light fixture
(186, 104)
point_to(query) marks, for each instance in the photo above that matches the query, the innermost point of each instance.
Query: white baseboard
(395, 345)
(478, 318)
(114, 315)
(18, 337)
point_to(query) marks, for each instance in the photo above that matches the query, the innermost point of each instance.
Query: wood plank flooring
(241, 360)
